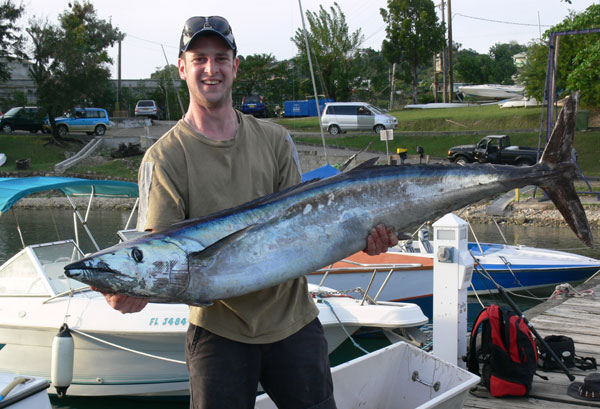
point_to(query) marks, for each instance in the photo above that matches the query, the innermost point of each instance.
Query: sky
(267, 26)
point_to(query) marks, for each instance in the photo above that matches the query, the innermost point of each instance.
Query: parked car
(22, 118)
(146, 107)
(254, 105)
(89, 120)
(493, 149)
(355, 116)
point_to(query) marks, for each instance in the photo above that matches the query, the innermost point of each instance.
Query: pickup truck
(493, 149)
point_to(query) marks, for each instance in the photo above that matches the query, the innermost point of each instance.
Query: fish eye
(137, 254)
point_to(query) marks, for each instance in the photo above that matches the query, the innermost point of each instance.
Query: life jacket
(507, 351)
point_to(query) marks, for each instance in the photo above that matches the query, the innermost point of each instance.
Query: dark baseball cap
(195, 26)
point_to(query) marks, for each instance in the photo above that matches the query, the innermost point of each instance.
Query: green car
(22, 118)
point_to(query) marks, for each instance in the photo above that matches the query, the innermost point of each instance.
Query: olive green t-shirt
(186, 175)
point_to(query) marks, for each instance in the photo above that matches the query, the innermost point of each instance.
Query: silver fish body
(291, 233)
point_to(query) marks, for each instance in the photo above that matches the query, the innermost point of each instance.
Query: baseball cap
(195, 26)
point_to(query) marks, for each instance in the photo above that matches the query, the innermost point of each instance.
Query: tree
(503, 64)
(70, 61)
(579, 56)
(472, 67)
(166, 95)
(374, 73)
(413, 35)
(10, 36)
(253, 73)
(333, 49)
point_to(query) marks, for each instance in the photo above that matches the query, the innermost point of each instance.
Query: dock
(577, 317)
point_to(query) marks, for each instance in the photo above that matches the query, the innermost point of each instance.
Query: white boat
(123, 354)
(438, 105)
(519, 102)
(23, 392)
(398, 376)
(493, 91)
(513, 267)
(2, 158)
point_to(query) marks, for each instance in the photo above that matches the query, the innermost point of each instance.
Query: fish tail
(560, 189)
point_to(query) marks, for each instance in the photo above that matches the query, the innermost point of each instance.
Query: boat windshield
(54, 257)
(19, 276)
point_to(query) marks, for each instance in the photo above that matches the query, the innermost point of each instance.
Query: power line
(149, 41)
(502, 22)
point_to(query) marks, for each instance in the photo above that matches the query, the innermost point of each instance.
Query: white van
(355, 116)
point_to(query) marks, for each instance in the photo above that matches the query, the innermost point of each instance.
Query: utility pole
(450, 49)
(435, 77)
(392, 86)
(118, 107)
(444, 78)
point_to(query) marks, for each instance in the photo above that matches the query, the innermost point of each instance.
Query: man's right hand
(124, 303)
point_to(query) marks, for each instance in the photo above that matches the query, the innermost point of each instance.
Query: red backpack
(507, 351)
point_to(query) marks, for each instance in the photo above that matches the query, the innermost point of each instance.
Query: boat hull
(104, 367)
(526, 268)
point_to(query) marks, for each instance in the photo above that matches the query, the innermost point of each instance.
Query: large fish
(299, 230)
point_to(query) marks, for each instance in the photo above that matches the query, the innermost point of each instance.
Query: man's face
(209, 68)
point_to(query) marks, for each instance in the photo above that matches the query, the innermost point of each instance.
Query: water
(40, 226)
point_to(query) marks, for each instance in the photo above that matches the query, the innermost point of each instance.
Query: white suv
(146, 107)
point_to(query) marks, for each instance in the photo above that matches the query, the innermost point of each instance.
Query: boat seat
(424, 243)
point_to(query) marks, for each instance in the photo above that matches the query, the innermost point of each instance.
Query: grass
(34, 146)
(44, 156)
(487, 117)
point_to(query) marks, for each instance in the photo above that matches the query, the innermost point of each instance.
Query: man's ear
(236, 64)
(181, 67)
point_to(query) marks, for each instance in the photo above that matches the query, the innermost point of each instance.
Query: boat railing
(368, 268)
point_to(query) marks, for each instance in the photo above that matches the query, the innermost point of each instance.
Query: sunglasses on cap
(199, 25)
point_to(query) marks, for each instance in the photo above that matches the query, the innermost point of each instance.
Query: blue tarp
(13, 189)
(320, 173)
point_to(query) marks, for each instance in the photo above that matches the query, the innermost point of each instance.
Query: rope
(567, 290)
(127, 349)
(340, 322)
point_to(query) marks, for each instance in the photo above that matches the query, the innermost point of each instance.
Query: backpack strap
(585, 363)
(481, 321)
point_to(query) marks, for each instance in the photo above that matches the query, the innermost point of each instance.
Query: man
(217, 158)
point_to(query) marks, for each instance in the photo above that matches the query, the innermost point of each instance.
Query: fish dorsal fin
(217, 245)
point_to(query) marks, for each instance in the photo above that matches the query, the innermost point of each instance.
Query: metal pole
(312, 76)
(450, 47)
(173, 81)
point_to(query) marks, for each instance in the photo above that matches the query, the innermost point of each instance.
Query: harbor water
(44, 225)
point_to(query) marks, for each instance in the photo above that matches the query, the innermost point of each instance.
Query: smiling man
(213, 159)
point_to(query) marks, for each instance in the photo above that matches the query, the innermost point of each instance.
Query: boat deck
(575, 317)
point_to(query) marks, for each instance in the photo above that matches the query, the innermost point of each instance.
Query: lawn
(486, 117)
(43, 156)
(482, 118)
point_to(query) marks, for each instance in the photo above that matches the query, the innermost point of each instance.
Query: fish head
(155, 268)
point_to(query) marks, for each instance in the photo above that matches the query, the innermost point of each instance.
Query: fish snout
(74, 270)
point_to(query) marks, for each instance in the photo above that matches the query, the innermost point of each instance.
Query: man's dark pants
(294, 372)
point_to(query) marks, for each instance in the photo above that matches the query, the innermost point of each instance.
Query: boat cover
(320, 173)
(13, 189)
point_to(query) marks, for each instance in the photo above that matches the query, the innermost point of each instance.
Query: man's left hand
(380, 239)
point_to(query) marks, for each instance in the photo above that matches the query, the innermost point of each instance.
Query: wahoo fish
(299, 230)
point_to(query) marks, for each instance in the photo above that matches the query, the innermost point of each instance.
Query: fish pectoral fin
(219, 244)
